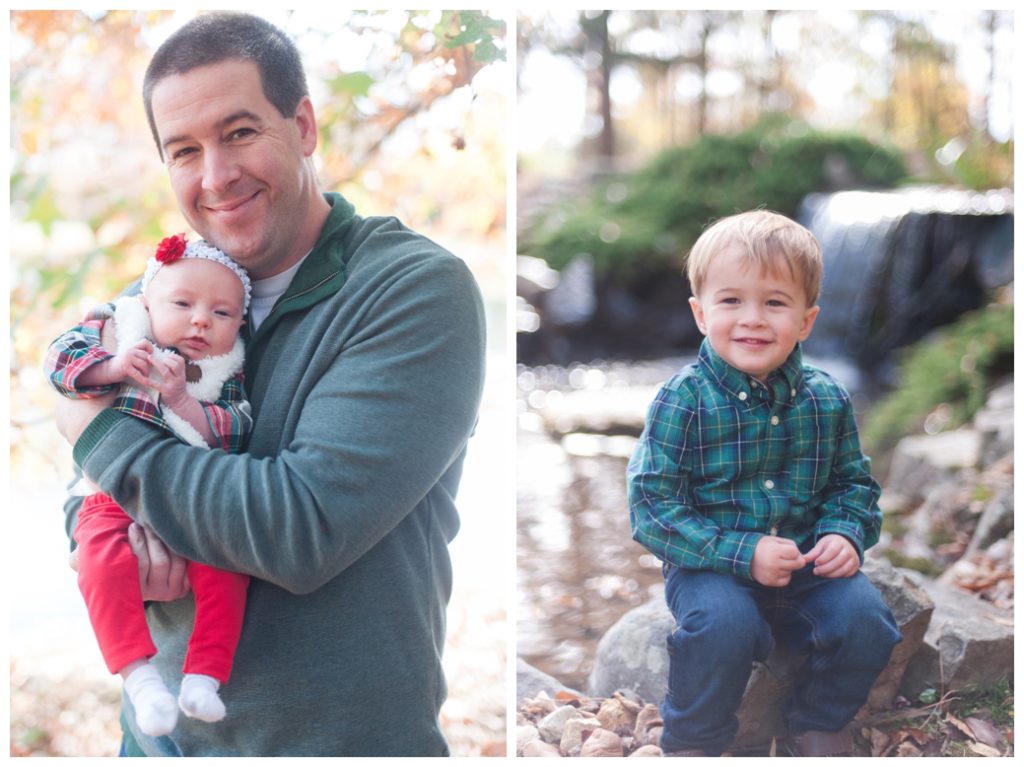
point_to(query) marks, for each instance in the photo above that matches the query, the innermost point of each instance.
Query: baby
(178, 364)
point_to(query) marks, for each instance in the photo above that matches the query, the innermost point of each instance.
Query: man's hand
(833, 557)
(162, 573)
(775, 560)
(74, 415)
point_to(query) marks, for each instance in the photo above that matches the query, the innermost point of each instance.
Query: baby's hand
(775, 560)
(171, 383)
(833, 557)
(133, 363)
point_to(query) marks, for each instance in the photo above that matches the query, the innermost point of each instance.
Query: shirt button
(742, 395)
(769, 484)
(792, 393)
(775, 420)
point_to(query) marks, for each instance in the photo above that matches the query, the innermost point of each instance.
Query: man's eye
(242, 133)
(179, 154)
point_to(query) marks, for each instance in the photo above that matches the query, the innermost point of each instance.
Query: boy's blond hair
(769, 239)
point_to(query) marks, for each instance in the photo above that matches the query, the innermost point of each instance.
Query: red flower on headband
(171, 248)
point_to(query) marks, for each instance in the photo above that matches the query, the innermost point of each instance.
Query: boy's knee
(721, 635)
(864, 615)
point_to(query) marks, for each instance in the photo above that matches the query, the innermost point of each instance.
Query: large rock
(994, 423)
(969, 643)
(632, 656)
(922, 463)
(912, 609)
(531, 682)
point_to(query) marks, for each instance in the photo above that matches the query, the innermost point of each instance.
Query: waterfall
(901, 263)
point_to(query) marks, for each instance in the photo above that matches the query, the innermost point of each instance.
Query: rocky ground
(948, 539)
(623, 725)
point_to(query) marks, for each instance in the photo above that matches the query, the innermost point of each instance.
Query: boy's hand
(833, 557)
(775, 560)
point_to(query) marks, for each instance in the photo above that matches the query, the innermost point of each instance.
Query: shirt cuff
(851, 532)
(740, 556)
(94, 433)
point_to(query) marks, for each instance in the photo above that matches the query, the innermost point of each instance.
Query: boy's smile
(752, 318)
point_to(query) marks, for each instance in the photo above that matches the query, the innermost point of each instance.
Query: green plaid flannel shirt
(724, 460)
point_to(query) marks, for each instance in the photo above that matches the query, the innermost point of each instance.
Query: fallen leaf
(982, 750)
(879, 741)
(960, 726)
(984, 732)
(906, 748)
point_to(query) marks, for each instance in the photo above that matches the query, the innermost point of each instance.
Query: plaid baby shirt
(73, 352)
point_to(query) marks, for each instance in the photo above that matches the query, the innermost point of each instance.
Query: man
(364, 371)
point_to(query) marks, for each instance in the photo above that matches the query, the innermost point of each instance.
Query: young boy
(178, 364)
(749, 484)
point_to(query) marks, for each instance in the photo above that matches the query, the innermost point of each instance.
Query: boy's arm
(662, 516)
(850, 505)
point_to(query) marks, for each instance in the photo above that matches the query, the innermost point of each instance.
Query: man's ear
(698, 314)
(305, 121)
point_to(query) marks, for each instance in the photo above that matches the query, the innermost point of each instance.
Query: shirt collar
(783, 382)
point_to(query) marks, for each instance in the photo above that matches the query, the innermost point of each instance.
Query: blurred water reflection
(579, 570)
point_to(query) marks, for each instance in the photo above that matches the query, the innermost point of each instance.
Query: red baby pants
(108, 576)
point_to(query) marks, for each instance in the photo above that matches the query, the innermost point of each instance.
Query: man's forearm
(74, 416)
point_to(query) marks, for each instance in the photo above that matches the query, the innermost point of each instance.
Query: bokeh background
(890, 134)
(412, 109)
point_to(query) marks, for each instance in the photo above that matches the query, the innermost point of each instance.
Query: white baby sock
(199, 698)
(155, 711)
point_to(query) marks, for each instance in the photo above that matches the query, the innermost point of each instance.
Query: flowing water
(578, 568)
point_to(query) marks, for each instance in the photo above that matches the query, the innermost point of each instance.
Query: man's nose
(220, 170)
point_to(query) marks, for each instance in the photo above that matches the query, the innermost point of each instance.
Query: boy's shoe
(822, 743)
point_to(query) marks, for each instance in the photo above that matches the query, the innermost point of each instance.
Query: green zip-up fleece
(365, 382)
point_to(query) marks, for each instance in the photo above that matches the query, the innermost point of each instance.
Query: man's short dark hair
(216, 37)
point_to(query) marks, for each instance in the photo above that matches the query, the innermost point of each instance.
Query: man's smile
(231, 207)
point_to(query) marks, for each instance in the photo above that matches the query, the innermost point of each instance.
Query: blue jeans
(725, 623)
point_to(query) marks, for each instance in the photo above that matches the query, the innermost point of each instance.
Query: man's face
(239, 169)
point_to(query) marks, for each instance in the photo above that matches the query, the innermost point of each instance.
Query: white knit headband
(175, 248)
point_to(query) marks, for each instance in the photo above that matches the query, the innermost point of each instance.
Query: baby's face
(195, 305)
(752, 318)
